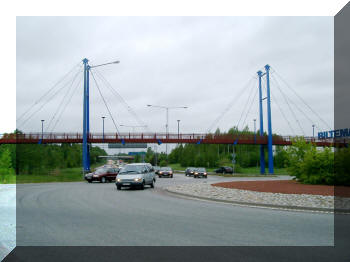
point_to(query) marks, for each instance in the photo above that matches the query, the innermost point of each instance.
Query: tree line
(40, 159)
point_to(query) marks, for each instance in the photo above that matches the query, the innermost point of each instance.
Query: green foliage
(40, 159)
(342, 166)
(162, 163)
(311, 165)
(211, 156)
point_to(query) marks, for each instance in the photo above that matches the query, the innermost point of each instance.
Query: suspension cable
(65, 106)
(282, 113)
(44, 104)
(120, 98)
(289, 106)
(285, 82)
(49, 91)
(230, 105)
(297, 107)
(64, 98)
(104, 101)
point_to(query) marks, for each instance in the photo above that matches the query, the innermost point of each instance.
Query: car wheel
(152, 185)
(143, 185)
(223, 172)
(103, 180)
(206, 177)
(90, 181)
(119, 187)
(171, 176)
(160, 176)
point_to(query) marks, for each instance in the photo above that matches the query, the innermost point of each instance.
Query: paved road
(7, 219)
(97, 214)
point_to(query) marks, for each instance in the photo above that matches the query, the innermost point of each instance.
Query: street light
(167, 119)
(133, 127)
(178, 129)
(313, 131)
(42, 129)
(114, 62)
(103, 128)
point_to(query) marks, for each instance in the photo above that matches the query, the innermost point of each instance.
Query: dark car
(156, 169)
(189, 171)
(102, 174)
(165, 172)
(200, 172)
(224, 170)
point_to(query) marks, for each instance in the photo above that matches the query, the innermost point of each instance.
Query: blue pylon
(86, 121)
(262, 154)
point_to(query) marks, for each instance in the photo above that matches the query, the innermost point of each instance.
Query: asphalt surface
(7, 219)
(83, 214)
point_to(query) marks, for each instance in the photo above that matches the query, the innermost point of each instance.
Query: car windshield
(201, 169)
(165, 169)
(101, 171)
(130, 169)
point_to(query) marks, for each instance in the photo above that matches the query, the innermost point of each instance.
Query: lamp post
(42, 129)
(103, 128)
(167, 120)
(313, 131)
(178, 129)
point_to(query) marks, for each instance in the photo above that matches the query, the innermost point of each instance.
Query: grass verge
(59, 175)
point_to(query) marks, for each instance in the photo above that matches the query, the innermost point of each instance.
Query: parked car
(189, 171)
(224, 170)
(165, 172)
(136, 175)
(103, 174)
(200, 172)
(156, 169)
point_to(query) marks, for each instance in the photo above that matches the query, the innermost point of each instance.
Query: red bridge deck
(53, 138)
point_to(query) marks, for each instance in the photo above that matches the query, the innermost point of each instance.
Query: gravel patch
(252, 197)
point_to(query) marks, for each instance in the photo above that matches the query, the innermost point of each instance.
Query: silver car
(135, 175)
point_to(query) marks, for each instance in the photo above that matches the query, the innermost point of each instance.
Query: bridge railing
(75, 137)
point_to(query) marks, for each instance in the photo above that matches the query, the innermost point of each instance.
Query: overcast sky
(200, 62)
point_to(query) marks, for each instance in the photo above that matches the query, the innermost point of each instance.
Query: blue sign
(334, 133)
(136, 153)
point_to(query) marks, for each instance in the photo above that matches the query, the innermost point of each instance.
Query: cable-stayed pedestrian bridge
(157, 138)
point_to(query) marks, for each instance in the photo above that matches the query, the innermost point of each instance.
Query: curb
(271, 206)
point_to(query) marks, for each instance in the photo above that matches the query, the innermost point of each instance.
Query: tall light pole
(167, 120)
(133, 127)
(42, 129)
(178, 129)
(103, 128)
(313, 131)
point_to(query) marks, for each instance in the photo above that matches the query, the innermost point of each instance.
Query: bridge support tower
(86, 118)
(269, 122)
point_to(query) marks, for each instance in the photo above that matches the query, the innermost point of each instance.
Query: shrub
(310, 165)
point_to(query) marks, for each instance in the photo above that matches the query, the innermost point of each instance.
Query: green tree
(6, 163)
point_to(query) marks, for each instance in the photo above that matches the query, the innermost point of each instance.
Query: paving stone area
(236, 195)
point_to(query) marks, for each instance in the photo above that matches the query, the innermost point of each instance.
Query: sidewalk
(7, 219)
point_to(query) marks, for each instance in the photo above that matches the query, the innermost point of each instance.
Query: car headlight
(138, 179)
(118, 180)
(95, 175)
(160, 172)
(196, 173)
(205, 173)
